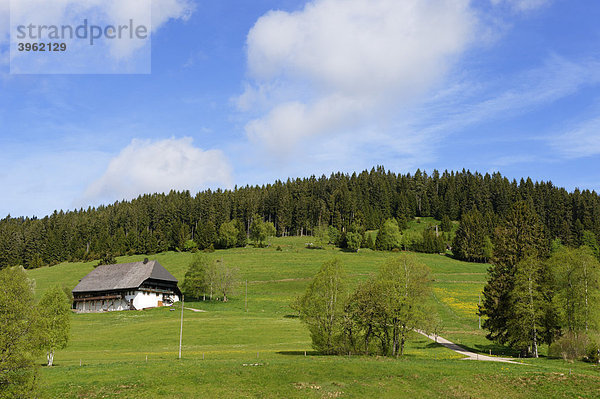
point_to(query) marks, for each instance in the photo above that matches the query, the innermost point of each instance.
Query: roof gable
(123, 276)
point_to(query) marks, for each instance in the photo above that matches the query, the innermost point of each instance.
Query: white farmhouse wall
(145, 299)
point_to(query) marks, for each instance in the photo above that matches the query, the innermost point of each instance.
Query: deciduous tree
(577, 287)
(353, 241)
(55, 321)
(406, 285)
(532, 318)
(321, 307)
(196, 283)
(19, 334)
(226, 279)
(228, 234)
(388, 236)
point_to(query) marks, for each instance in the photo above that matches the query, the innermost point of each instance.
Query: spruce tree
(519, 237)
(446, 224)
(207, 236)
(242, 238)
(159, 222)
(469, 241)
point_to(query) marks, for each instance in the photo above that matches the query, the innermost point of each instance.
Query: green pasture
(266, 352)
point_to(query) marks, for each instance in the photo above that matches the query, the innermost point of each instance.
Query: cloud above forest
(346, 67)
(146, 166)
(579, 141)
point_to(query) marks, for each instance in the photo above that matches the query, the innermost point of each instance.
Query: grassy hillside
(228, 352)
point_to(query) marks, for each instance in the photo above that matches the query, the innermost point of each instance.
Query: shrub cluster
(373, 319)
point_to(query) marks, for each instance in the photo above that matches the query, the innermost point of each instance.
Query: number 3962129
(41, 46)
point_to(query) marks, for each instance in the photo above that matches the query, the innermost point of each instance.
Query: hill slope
(228, 352)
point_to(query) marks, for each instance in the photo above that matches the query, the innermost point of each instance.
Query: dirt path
(469, 355)
(195, 310)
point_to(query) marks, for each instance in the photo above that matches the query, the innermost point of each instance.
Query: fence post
(181, 328)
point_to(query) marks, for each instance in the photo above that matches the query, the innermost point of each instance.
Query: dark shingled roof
(123, 276)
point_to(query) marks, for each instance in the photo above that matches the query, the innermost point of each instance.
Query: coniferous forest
(348, 204)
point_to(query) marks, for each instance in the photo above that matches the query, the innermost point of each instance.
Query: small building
(126, 286)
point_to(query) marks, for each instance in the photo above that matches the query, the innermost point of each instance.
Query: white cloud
(347, 65)
(165, 10)
(60, 12)
(579, 142)
(469, 103)
(160, 166)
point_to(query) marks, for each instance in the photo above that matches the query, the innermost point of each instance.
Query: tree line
(349, 203)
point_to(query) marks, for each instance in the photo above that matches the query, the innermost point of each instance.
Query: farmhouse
(126, 286)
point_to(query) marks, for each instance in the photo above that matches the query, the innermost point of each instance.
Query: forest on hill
(358, 202)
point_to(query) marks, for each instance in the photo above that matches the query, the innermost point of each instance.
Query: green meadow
(266, 352)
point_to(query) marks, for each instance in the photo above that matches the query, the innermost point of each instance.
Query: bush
(592, 353)
(190, 246)
(572, 346)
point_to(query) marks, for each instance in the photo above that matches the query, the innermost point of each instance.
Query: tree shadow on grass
(494, 349)
(432, 345)
(483, 349)
(450, 255)
(369, 356)
(300, 353)
(347, 250)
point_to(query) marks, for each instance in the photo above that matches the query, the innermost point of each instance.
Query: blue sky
(246, 92)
